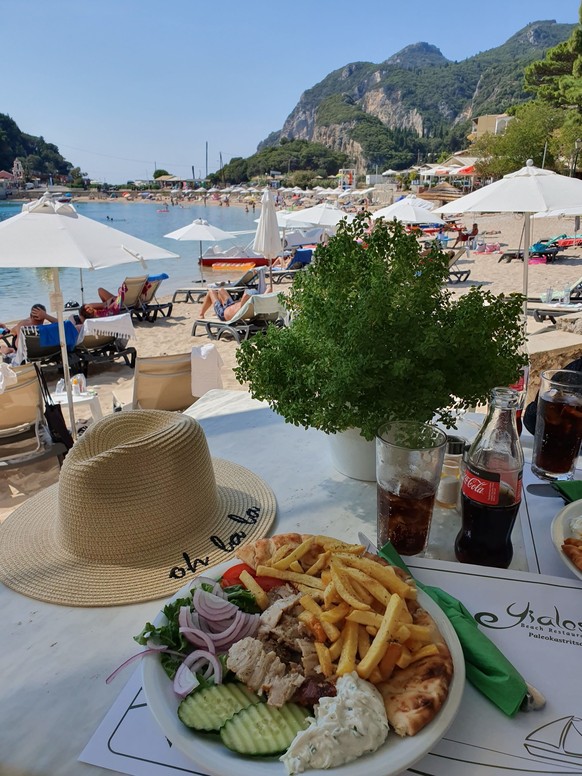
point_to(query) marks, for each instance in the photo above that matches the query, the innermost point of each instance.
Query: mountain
(376, 113)
(40, 158)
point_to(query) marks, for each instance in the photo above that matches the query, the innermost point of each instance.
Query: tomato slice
(268, 583)
(232, 577)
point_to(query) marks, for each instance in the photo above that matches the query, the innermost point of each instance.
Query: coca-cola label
(481, 486)
(486, 487)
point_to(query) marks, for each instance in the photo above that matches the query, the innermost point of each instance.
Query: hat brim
(33, 563)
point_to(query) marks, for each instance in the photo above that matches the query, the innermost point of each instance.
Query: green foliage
(422, 81)
(287, 157)
(557, 78)
(534, 123)
(375, 336)
(158, 173)
(38, 157)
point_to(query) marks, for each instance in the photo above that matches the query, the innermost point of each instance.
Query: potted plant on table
(376, 336)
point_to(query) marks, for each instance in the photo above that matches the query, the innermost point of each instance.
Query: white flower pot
(353, 455)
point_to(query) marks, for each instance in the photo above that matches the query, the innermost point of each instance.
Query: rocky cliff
(417, 91)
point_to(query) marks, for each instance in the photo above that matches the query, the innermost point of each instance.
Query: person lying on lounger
(225, 306)
(38, 316)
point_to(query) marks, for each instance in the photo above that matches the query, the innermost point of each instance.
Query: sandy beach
(173, 335)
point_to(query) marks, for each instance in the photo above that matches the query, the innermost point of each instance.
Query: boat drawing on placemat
(559, 741)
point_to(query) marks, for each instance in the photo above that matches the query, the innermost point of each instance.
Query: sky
(123, 87)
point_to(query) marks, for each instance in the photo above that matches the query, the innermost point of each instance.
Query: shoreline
(173, 336)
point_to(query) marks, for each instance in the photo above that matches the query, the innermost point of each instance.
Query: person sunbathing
(224, 305)
(38, 316)
(79, 318)
(108, 304)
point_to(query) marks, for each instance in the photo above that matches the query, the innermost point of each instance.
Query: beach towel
(120, 326)
(206, 366)
(159, 276)
(7, 377)
(49, 335)
(262, 283)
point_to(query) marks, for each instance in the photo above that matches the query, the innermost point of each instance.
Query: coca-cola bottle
(491, 488)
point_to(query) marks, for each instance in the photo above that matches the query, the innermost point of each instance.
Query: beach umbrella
(321, 215)
(409, 213)
(52, 234)
(267, 239)
(201, 231)
(529, 190)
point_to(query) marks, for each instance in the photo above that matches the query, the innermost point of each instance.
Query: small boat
(242, 266)
(232, 258)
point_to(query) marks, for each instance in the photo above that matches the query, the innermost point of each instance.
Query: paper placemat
(535, 620)
(536, 514)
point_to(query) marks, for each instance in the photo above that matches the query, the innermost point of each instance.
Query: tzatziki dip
(343, 728)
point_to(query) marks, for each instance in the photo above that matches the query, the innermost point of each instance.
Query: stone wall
(550, 348)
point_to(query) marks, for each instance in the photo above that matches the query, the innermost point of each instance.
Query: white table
(91, 399)
(54, 660)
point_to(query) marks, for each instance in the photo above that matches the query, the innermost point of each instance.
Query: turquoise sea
(20, 288)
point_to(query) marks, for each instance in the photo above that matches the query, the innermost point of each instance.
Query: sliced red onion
(185, 681)
(185, 617)
(216, 589)
(155, 645)
(199, 638)
(211, 607)
(138, 656)
(198, 658)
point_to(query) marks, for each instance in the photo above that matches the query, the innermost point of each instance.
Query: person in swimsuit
(224, 305)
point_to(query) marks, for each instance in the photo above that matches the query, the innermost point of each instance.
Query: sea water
(20, 288)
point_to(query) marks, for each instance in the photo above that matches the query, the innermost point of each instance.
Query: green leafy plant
(376, 336)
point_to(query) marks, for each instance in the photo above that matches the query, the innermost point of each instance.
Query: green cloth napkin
(570, 490)
(487, 668)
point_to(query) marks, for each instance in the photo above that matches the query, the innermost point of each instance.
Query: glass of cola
(409, 459)
(558, 432)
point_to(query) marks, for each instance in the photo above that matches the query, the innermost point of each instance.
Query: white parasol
(409, 213)
(201, 231)
(321, 215)
(529, 190)
(52, 234)
(267, 239)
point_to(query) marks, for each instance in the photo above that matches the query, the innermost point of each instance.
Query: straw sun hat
(139, 508)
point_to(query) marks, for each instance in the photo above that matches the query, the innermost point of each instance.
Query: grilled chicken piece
(263, 671)
(271, 616)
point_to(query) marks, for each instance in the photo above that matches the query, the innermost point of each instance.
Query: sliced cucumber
(263, 729)
(208, 709)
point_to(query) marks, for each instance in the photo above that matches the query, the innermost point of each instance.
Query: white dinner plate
(561, 530)
(393, 757)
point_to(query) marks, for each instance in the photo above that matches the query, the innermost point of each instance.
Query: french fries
(254, 587)
(356, 609)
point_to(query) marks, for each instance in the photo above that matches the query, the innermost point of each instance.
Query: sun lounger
(550, 312)
(163, 383)
(197, 293)
(549, 254)
(147, 306)
(575, 292)
(133, 287)
(30, 347)
(284, 274)
(254, 316)
(457, 275)
(22, 440)
(104, 340)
